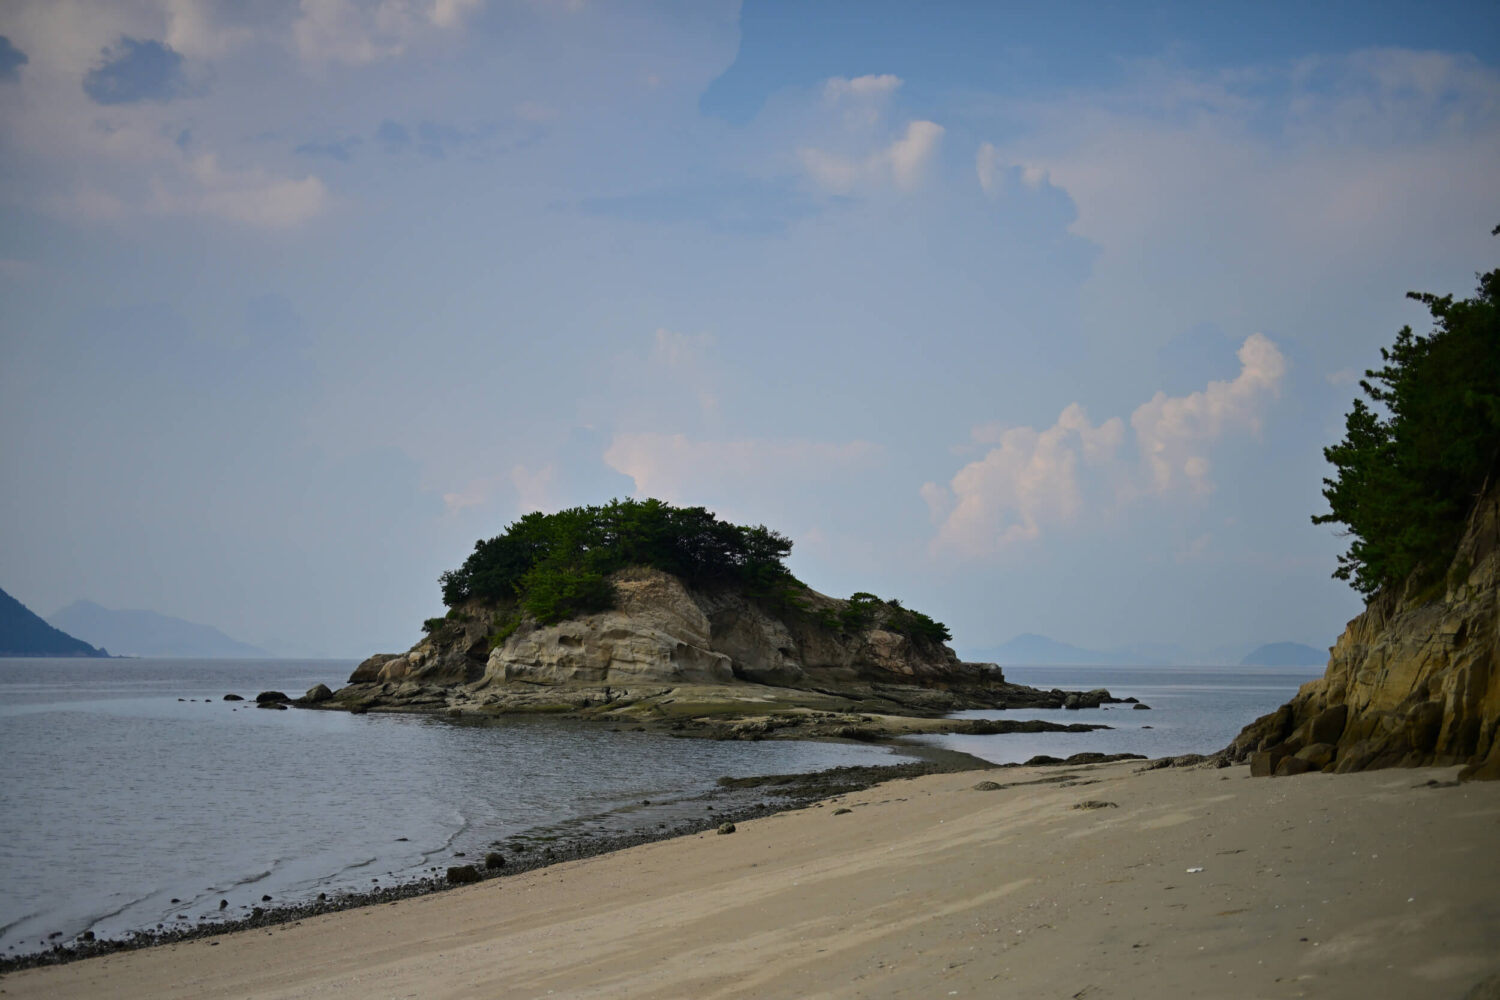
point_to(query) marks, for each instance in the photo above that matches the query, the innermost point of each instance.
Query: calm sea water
(127, 783)
(1193, 710)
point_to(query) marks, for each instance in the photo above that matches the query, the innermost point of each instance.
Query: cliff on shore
(1413, 681)
(695, 656)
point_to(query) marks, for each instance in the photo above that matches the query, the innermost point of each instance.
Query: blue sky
(1035, 316)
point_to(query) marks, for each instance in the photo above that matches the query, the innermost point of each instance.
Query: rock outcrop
(663, 635)
(1413, 681)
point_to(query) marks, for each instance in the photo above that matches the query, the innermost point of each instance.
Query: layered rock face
(1413, 681)
(661, 633)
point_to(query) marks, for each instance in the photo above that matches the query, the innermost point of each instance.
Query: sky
(1034, 316)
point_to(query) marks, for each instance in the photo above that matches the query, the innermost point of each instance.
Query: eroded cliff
(1414, 680)
(663, 636)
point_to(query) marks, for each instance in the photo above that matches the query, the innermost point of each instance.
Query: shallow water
(1193, 710)
(130, 782)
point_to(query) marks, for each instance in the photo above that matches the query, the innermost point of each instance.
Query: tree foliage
(556, 566)
(1415, 458)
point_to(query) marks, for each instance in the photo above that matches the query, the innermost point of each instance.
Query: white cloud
(901, 163)
(992, 168)
(348, 31)
(193, 29)
(1028, 480)
(1326, 169)
(861, 87)
(1173, 432)
(1031, 480)
(676, 468)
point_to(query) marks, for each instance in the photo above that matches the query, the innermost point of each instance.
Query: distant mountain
(1285, 654)
(23, 633)
(146, 633)
(1031, 650)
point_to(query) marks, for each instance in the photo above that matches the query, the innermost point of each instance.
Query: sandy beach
(1096, 881)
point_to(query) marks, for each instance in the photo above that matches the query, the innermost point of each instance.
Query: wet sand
(1359, 885)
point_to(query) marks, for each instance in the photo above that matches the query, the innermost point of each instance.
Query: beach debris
(1194, 871)
(726, 827)
(463, 875)
(1095, 804)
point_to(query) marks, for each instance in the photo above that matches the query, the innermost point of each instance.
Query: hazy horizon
(1036, 319)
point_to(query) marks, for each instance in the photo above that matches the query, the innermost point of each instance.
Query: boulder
(271, 697)
(233, 697)
(1293, 765)
(1319, 755)
(463, 875)
(317, 694)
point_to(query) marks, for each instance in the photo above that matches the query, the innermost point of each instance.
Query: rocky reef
(706, 661)
(1413, 681)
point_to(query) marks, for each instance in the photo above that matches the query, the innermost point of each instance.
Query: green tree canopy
(1415, 457)
(555, 565)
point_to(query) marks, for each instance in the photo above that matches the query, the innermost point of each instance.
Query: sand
(1193, 883)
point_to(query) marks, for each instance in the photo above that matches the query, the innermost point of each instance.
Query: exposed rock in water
(1413, 681)
(316, 694)
(666, 645)
(271, 697)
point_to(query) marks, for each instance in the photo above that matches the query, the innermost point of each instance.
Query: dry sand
(1195, 883)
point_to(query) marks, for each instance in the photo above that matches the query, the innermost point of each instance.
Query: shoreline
(1100, 880)
(528, 851)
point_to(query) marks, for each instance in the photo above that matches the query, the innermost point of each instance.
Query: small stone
(494, 859)
(987, 786)
(256, 913)
(223, 904)
(265, 899)
(726, 827)
(841, 810)
(463, 875)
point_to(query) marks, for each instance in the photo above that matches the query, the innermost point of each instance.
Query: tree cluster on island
(1412, 465)
(553, 567)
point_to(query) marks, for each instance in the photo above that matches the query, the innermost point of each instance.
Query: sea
(132, 796)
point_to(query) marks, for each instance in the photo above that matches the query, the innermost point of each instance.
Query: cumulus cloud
(1030, 480)
(861, 87)
(901, 163)
(1027, 480)
(677, 468)
(1173, 432)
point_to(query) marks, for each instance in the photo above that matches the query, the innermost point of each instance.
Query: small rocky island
(643, 614)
